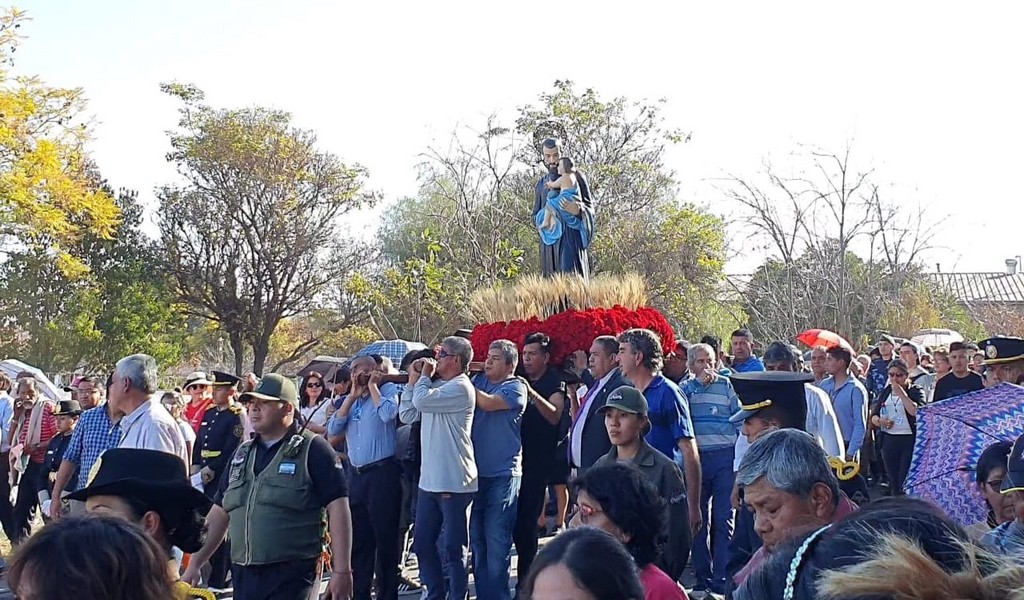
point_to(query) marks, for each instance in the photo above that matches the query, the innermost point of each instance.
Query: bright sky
(930, 93)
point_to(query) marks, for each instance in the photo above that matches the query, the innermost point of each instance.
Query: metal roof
(982, 287)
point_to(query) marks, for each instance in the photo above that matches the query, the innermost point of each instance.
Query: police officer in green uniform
(283, 491)
(220, 433)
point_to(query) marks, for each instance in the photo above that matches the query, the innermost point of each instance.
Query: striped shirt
(711, 406)
(94, 434)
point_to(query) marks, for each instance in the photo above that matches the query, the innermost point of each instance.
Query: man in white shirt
(145, 424)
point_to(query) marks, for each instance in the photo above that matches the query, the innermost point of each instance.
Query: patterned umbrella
(951, 436)
(393, 349)
(823, 337)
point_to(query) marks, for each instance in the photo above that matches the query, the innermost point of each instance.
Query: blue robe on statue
(567, 252)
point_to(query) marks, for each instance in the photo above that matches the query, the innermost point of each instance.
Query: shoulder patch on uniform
(239, 431)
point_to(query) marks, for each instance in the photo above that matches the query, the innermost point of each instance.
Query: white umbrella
(936, 337)
(13, 367)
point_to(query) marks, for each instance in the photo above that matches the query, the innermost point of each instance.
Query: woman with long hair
(314, 405)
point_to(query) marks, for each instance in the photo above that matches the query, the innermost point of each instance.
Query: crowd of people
(644, 463)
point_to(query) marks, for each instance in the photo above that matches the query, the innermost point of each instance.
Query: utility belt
(374, 465)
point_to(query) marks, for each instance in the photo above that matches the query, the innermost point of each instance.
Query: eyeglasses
(995, 485)
(442, 354)
(314, 384)
(196, 386)
(588, 512)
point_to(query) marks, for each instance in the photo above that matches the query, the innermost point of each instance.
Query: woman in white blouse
(895, 414)
(313, 404)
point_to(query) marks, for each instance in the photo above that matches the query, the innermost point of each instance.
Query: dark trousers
(531, 503)
(220, 565)
(27, 501)
(376, 500)
(6, 508)
(291, 580)
(897, 451)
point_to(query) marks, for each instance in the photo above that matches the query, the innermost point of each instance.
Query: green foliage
(120, 306)
(50, 196)
(251, 238)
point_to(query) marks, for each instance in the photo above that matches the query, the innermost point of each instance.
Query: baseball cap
(274, 387)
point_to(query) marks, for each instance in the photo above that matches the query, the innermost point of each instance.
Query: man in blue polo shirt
(743, 359)
(712, 402)
(497, 446)
(641, 359)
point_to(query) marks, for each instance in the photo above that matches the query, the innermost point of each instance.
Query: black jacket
(595, 442)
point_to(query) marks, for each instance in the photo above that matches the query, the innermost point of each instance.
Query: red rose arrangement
(574, 330)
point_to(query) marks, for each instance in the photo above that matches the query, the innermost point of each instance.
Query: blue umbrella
(393, 349)
(951, 436)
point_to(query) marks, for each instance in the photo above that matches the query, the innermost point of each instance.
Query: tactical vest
(274, 516)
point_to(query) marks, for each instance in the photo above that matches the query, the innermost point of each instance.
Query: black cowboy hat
(157, 478)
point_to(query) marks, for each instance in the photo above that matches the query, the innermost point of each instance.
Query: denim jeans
(490, 528)
(442, 525)
(711, 556)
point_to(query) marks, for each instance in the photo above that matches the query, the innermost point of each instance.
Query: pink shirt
(659, 586)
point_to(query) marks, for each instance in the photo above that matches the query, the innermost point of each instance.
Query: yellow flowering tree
(50, 193)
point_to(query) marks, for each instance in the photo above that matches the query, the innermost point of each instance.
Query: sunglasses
(442, 354)
(196, 386)
(314, 384)
(995, 485)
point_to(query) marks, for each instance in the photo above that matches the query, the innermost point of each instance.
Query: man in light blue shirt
(500, 403)
(849, 399)
(367, 420)
(712, 402)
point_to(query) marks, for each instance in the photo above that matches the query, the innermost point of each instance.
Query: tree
(251, 237)
(50, 193)
(816, 225)
(471, 223)
(120, 304)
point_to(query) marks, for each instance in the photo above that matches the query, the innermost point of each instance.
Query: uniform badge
(239, 456)
(239, 431)
(286, 469)
(991, 351)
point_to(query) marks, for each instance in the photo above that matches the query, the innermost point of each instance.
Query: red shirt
(194, 413)
(659, 586)
(47, 429)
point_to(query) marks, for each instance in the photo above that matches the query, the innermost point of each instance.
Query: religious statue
(564, 214)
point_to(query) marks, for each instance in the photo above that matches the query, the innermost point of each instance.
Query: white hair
(140, 370)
